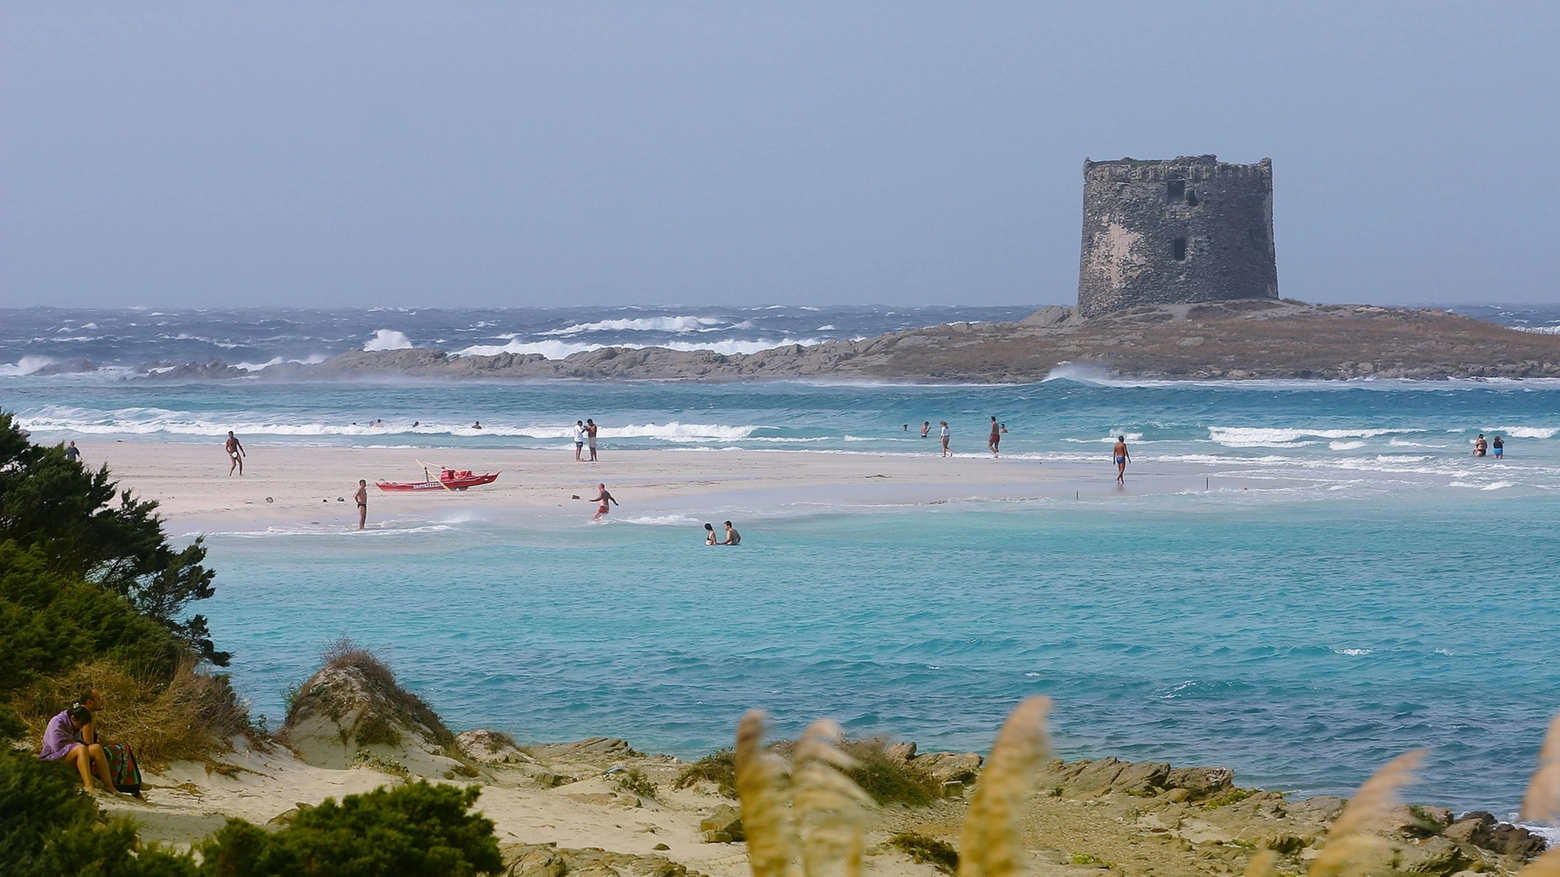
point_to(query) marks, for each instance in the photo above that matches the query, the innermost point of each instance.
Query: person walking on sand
(945, 434)
(1120, 456)
(579, 441)
(362, 500)
(1480, 446)
(732, 536)
(235, 452)
(1497, 446)
(709, 535)
(72, 453)
(601, 500)
(590, 437)
(996, 436)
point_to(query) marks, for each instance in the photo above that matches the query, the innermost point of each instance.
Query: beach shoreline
(314, 485)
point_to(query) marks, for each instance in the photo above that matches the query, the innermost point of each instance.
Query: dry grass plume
(1542, 801)
(830, 808)
(762, 787)
(1351, 842)
(989, 845)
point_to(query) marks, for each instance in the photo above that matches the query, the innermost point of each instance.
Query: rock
(536, 862)
(900, 751)
(285, 817)
(354, 707)
(1435, 855)
(75, 366)
(660, 847)
(1048, 316)
(727, 821)
(1199, 831)
(1143, 777)
(491, 747)
(591, 749)
(1475, 829)
(1200, 781)
(1320, 808)
(953, 789)
(1412, 820)
(1514, 840)
(945, 766)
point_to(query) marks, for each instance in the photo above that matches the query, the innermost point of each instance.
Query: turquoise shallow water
(1301, 642)
(1377, 588)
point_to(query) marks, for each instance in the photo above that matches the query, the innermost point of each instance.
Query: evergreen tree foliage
(81, 526)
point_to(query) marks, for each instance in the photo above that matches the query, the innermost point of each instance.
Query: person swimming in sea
(710, 538)
(732, 536)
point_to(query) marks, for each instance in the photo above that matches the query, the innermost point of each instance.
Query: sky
(177, 154)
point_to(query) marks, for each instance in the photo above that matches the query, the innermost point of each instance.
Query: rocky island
(1243, 339)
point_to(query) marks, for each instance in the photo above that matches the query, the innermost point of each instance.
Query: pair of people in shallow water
(732, 536)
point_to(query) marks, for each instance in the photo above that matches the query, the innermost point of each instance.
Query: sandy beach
(283, 485)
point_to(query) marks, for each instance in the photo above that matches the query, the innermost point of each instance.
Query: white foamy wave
(672, 520)
(277, 360)
(387, 339)
(1265, 437)
(562, 349)
(1404, 443)
(681, 432)
(25, 366)
(680, 325)
(1538, 330)
(1345, 446)
(1353, 653)
(1534, 432)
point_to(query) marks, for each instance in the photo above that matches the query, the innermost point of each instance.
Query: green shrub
(927, 850)
(1233, 796)
(84, 529)
(634, 782)
(719, 767)
(889, 780)
(48, 827)
(416, 830)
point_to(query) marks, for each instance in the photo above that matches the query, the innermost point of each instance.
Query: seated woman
(62, 742)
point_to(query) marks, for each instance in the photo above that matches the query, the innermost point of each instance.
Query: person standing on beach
(1480, 445)
(73, 453)
(996, 436)
(945, 434)
(590, 437)
(602, 498)
(235, 452)
(1497, 446)
(362, 500)
(579, 441)
(1120, 456)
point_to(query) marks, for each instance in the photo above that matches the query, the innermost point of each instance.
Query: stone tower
(1190, 229)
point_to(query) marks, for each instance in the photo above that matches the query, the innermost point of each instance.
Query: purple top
(59, 737)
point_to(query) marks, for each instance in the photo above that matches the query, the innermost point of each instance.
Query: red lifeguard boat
(449, 479)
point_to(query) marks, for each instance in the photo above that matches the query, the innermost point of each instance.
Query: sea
(1337, 580)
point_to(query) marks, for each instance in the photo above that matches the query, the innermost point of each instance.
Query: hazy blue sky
(176, 154)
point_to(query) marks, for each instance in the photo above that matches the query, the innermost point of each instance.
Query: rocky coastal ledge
(1229, 340)
(597, 807)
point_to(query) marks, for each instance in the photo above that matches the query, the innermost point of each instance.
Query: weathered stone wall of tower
(1191, 229)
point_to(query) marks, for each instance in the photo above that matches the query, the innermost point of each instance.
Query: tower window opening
(1178, 249)
(1191, 197)
(1175, 190)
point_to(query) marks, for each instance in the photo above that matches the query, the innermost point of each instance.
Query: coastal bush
(405, 707)
(49, 827)
(719, 767)
(81, 527)
(927, 850)
(634, 782)
(416, 830)
(887, 779)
